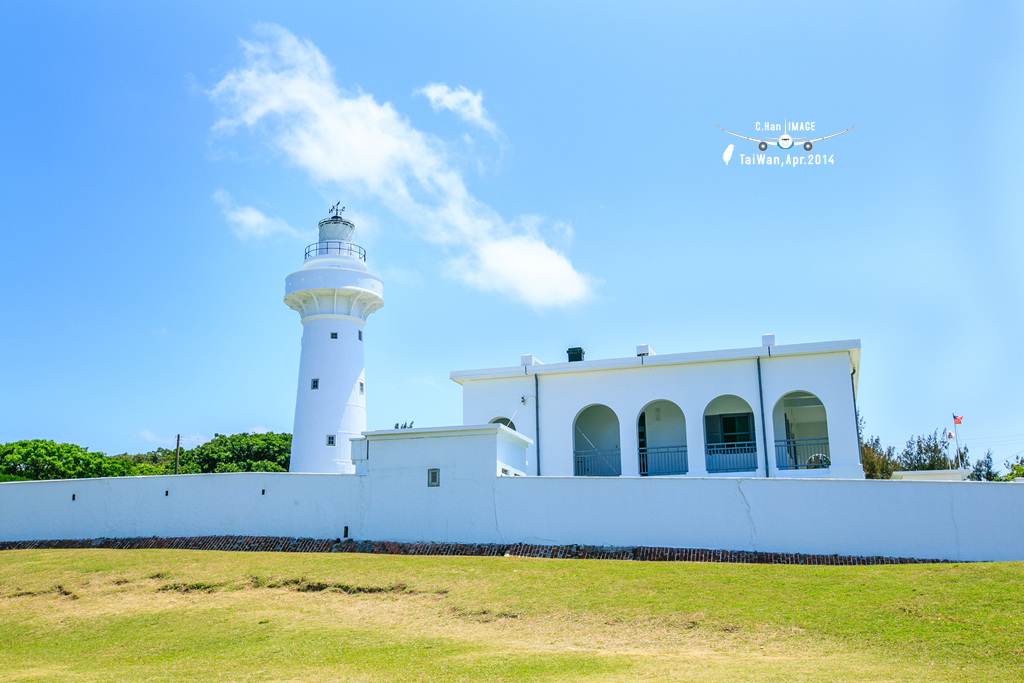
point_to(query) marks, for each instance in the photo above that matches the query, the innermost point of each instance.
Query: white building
(334, 295)
(767, 411)
(750, 449)
(773, 411)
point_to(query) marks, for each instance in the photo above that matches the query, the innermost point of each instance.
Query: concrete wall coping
(852, 346)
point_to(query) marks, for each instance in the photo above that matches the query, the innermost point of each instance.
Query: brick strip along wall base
(569, 552)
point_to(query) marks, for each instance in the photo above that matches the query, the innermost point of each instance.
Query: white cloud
(286, 88)
(259, 429)
(468, 105)
(523, 266)
(150, 436)
(247, 222)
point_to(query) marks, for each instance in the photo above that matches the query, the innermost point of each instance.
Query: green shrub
(40, 459)
(268, 452)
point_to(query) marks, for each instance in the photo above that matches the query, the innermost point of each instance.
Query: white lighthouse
(333, 294)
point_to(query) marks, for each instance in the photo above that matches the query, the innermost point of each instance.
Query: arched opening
(661, 439)
(729, 441)
(596, 443)
(801, 432)
(504, 421)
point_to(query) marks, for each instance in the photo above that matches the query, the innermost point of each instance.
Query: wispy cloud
(250, 223)
(150, 436)
(469, 106)
(287, 89)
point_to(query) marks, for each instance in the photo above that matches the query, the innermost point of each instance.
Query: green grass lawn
(92, 615)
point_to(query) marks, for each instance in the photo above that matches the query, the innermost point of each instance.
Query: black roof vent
(575, 354)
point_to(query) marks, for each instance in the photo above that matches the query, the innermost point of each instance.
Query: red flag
(957, 419)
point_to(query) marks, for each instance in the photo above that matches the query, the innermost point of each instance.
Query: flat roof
(448, 432)
(850, 345)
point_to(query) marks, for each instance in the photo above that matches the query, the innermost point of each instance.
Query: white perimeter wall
(391, 501)
(308, 505)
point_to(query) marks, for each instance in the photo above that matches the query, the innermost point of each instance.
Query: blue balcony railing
(731, 457)
(802, 454)
(606, 463)
(663, 460)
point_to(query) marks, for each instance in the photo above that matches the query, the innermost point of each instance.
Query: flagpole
(956, 434)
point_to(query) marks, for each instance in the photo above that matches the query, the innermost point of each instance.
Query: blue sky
(525, 178)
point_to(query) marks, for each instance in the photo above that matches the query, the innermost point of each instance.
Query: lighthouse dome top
(336, 229)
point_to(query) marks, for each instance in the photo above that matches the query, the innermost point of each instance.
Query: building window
(362, 389)
(433, 477)
(360, 335)
(735, 428)
(314, 384)
(330, 439)
(334, 335)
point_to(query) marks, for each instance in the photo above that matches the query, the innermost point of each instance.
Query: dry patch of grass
(171, 615)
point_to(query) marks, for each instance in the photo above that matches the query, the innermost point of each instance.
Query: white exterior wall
(482, 402)
(230, 504)
(391, 501)
(566, 390)
(336, 407)
(400, 505)
(827, 376)
(938, 520)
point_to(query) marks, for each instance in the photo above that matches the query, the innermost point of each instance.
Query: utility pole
(177, 450)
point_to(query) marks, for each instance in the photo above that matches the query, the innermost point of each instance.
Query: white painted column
(629, 447)
(695, 460)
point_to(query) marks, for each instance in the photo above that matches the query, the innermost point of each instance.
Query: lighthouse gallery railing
(335, 248)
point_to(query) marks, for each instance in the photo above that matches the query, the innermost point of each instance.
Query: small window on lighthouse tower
(330, 439)
(362, 389)
(314, 384)
(334, 335)
(360, 335)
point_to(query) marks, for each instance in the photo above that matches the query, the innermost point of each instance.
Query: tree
(878, 462)
(925, 452)
(982, 470)
(39, 459)
(159, 461)
(268, 452)
(1015, 467)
